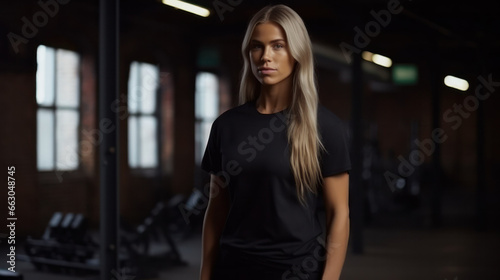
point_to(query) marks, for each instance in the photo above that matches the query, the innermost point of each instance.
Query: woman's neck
(275, 98)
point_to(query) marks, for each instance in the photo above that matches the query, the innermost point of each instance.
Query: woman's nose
(266, 55)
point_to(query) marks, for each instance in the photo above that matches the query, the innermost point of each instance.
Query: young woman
(276, 161)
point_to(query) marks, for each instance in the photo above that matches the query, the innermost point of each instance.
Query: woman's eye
(253, 47)
(278, 46)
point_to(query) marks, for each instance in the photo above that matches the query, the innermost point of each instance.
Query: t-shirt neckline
(253, 106)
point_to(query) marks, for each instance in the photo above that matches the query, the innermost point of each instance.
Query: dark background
(440, 38)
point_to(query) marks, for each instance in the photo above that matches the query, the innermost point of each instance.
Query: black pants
(233, 267)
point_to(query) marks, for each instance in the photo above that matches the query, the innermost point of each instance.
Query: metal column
(481, 191)
(437, 186)
(355, 181)
(108, 126)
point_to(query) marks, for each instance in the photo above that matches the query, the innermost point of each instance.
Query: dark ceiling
(464, 35)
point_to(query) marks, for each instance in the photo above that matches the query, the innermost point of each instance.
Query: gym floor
(451, 254)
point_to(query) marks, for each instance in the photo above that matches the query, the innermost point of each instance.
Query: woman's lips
(266, 71)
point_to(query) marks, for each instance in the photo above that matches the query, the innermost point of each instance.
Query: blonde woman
(274, 161)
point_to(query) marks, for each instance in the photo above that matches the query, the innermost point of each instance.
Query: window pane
(133, 87)
(45, 139)
(206, 109)
(133, 135)
(142, 87)
(68, 82)
(67, 139)
(148, 146)
(207, 96)
(201, 139)
(205, 132)
(149, 86)
(45, 58)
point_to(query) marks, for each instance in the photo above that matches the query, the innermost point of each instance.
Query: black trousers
(234, 267)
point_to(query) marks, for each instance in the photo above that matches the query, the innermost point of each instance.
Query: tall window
(58, 117)
(206, 110)
(143, 121)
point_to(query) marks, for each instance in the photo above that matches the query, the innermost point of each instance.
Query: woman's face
(270, 56)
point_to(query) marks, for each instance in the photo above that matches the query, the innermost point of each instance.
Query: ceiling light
(367, 56)
(376, 58)
(456, 83)
(188, 7)
(381, 60)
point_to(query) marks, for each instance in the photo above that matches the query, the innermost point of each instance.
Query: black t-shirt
(266, 222)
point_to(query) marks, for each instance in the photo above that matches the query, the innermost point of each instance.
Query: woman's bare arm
(336, 190)
(213, 224)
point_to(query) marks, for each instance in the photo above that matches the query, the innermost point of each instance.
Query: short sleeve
(212, 159)
(335, 158)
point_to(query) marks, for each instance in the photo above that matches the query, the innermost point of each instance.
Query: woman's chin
(268, 81)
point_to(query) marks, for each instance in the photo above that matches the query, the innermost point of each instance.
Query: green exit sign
(404, 74)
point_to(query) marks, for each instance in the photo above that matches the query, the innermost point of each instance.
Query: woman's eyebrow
(273, 41)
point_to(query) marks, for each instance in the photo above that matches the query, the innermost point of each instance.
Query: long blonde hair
(303, 136)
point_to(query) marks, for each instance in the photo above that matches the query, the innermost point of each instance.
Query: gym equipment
(67, 246)
(155, 227)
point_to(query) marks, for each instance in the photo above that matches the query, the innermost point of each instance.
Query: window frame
(200, 121)
(138, 114)
(72, 173)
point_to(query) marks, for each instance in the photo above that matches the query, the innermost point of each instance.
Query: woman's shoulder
(330, 125)
(328, 118)
(232, 114)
